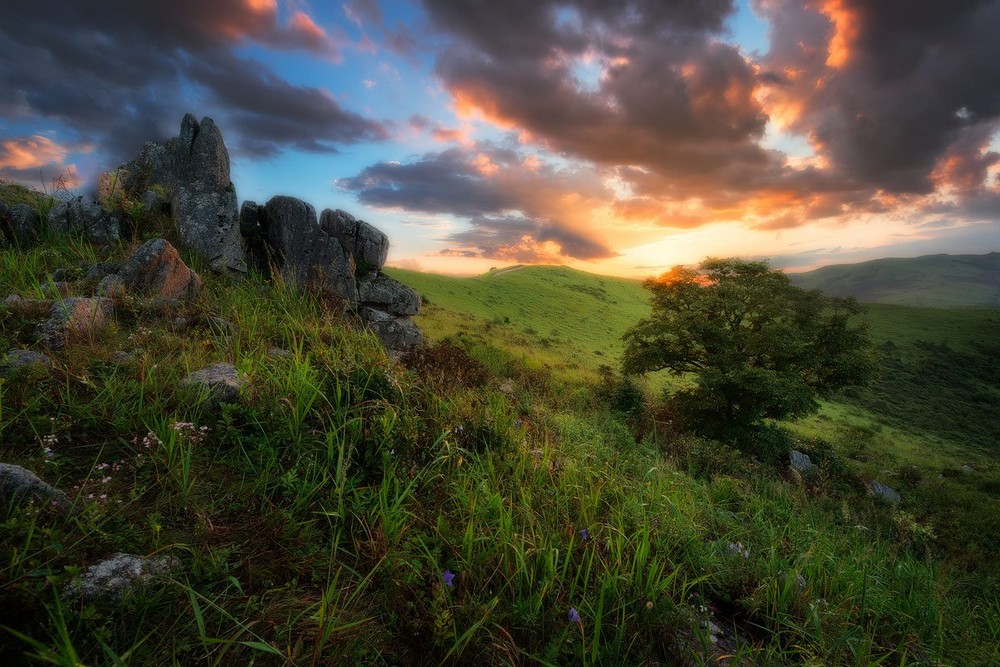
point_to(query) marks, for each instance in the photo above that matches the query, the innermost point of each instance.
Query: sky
(617, 137)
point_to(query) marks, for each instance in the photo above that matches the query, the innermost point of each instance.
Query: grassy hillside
(569, 321)
(473, 503)
(930, 412)
(942, 281)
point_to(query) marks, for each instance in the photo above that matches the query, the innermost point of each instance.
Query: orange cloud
(845, 32)
(30, 153)
(303, 24)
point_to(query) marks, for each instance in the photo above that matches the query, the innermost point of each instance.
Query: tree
(760, 347)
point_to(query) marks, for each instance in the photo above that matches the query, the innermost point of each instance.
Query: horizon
(617, 139)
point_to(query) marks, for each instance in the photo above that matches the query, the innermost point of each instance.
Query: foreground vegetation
(470, 504)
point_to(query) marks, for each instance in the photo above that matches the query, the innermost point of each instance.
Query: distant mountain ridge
(939, 281)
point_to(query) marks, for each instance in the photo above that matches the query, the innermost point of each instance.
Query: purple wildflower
(573, 615)
(449, 576)
(584, 534)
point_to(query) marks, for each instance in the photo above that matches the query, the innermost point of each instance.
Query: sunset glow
(614, 137)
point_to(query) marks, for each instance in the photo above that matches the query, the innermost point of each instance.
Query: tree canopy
(760, 346)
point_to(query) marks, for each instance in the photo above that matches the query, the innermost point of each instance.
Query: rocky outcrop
(290, 237)
(803, 465)
(396, 333)
(194, 168)
(17, 483)
(338, 254)
(384, 293)
(113, 577)
(86, 217)
(156, 269)
(368, 246)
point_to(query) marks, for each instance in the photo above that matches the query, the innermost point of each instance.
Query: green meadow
(481, 501)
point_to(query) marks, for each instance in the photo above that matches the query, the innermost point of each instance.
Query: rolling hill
(941, 281)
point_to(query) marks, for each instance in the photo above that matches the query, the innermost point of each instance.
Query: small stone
(121, 573)
(156, 269)
(968, 470)
(882, 491)
(111, 286)
(75, 316)
(802, 464)
(101, 269)
(275, 351)
(220, 383)
(56, 289)
(17, 482)
(122, 357)
(21, 358)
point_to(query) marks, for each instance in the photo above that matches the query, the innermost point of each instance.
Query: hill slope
(942, 281)
(570, 320)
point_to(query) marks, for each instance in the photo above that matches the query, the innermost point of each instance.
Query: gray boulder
(367, 245)
(395, 333)
(156, 269)
(19, 223)
(883, 492)
(113, 577)
(15, 359)
(304, 252)
(802, 464)
(17, 483)
(74, 317)
(85, 217)
(384, 293)
(219, 383)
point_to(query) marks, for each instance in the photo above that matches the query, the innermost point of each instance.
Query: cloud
(884, 90)
(516, 207)
(38, 160)
(894, 97)
(120, 73)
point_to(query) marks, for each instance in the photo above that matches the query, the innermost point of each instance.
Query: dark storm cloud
(891, 90)
(520, 239)
(670, 95)
(116, 72)
(511, 204)
(443, 182)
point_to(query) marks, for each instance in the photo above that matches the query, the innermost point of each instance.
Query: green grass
(314, 518)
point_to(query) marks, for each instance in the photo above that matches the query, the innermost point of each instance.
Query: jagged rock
(86, 217)
(194, 168)
(75, 316)
(967, 469)
(113, 577)
(303, 251)
(17, 483)
(884, 492)
(220, 383)
(156, 269)
(15, 359)
(367, 245)
(395, 333)
(19, 223)
(384, 293)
